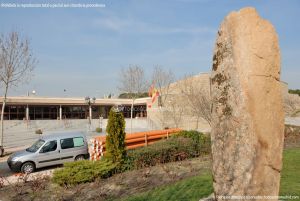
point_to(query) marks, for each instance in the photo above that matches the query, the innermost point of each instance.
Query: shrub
(137, 95)
(83, 171)
(201, 141)
(294, 91)
(115, 138)
(184, 145)
(39, 131)
(164, 151)
(98, 130)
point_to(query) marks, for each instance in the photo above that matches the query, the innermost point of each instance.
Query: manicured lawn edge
(200, 186)
(188, 189)
(290, 175)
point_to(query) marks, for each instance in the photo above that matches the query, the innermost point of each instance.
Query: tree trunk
(131, 115)
(162, 117)
(197, 122)
(2, 122)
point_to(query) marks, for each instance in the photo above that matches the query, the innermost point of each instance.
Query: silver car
(50, 150)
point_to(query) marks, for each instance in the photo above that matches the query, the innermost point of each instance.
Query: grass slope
(188, 189)
(290, 175)
(201, 186)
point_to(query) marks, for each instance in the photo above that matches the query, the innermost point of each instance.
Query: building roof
(37, 100)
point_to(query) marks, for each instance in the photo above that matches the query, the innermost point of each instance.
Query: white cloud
(114, 23)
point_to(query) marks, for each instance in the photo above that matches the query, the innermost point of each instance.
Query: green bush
(98, 130)
(115, 138)
(83, 171)
(294, 91)
(164, 151)
(130, 95)
(185, 144)
(201, 141)
(39, 131)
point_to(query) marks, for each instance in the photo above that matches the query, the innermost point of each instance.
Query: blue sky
(83, 50)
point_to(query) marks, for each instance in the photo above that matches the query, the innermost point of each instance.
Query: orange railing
(134, 140)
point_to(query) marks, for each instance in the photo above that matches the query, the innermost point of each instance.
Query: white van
(50, 150)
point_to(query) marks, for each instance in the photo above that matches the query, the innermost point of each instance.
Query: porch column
(60, 113)
(90, 112)
(27, 113)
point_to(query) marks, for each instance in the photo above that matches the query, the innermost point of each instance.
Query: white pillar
(60, 113)
(27, 113)
(90, 112)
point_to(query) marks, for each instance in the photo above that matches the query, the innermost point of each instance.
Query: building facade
(39, 108)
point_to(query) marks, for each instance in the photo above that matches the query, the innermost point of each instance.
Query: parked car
(53, 149)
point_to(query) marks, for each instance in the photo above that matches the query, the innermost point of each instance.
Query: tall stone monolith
(247, 110)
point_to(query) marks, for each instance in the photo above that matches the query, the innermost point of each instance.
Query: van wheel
(79, 158)
(27, 167)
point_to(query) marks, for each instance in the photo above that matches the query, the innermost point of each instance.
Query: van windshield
(35, 146)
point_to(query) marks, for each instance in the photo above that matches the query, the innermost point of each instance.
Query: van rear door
(70, 148)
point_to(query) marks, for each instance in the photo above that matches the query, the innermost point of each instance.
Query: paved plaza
(19, 134)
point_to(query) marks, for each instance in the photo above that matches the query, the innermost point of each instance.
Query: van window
(35, 146)
(71, 142)
(67, 143)
(49, 146)
(78, 141)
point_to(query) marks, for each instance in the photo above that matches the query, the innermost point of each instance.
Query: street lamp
(89, 101)
(33, 92)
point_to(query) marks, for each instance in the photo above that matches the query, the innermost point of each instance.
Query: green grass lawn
(290, 175)
(187, 189)
(201, 186)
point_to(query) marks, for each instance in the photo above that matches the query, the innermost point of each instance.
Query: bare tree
(16, 66)
(162, 80)
(175, 109)
(291, 104)
(133, 82)
(198, 98)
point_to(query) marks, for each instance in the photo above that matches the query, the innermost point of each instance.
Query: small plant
(2, 181)
(39, 131)
(20, 185)
(23, 178)
(98, 130)
(83, 171)
(115, 138)
(38, 182)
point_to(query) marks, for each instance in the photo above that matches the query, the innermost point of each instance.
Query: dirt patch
(118, 186)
